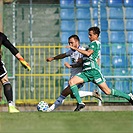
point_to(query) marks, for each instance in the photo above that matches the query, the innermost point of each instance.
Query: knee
(4, 80)
(108, 92)
(71, 82)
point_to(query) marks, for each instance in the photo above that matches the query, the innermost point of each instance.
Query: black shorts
(3, 70)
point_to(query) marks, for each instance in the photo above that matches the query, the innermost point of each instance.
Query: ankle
(10, 103)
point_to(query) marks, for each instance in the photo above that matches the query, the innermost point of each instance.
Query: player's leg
(100, 81)
(82, 77)
(82, 93)
(95, 93)
(60, 99)
(8, 94)
(117, 93)
(73, 85)
(7, 88)
(0, 92)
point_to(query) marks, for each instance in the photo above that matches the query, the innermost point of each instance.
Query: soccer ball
(42, 106)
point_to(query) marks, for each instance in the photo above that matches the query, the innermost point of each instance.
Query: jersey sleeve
(68, 53)
(8, 45)
(81, 55)
(93, 46)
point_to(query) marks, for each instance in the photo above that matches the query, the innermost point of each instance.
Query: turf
(67, 122)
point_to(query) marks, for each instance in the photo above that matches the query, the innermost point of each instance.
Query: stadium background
(40, 28)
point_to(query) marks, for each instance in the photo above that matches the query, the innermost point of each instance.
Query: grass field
(67, 122)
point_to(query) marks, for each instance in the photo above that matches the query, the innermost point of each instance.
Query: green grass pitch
(67, 122)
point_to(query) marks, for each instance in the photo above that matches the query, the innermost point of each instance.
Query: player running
(75, 67)
(91, 71)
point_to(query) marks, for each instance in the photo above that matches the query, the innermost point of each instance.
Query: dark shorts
(3, 70)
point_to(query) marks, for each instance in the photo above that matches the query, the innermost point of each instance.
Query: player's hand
(73, 48)
(67, 65)
(49, 59)
(24, 64)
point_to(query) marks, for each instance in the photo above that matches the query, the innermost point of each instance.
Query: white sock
(57, 103)
(11, 103)
(85, 93)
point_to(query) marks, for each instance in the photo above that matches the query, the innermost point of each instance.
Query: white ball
(42, 106)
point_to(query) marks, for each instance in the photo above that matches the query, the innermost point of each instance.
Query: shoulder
(69, 52)
(95, 43)
(82, 48)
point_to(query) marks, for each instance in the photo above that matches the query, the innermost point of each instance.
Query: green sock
(74, 89)
(118, 93)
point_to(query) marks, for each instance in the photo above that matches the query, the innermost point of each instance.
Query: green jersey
(90, 62)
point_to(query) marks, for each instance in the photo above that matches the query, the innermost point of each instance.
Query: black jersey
(4, 41)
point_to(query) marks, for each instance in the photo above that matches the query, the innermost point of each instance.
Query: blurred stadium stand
(130, 37)
(105, 61)
(128, 14)
(118, 49)
(128, 3)
(114, 3)
(83, 25)
(67, 3)
(83, 13)
(82, 3)
(130, 49)
(103, 14)
(104, 37)
(115, 12)
(116, 24)
(105, 49)
(119, 61)
(117, 37)
(67, 13)
(67, 25)
(129, 24)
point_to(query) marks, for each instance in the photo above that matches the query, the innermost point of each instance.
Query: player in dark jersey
(3, 72)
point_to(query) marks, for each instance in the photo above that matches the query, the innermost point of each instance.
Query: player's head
(75, 37)
(94, 33)
(74, 40)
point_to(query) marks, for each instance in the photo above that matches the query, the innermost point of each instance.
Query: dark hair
(95, 30)
(75, 37)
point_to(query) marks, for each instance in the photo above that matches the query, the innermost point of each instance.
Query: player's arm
(84, 52)
(22, 61)
(57, 57)
(98, 61)
(14, 51)
(78, 64)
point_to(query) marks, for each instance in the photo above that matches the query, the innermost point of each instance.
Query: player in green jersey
(91, 71)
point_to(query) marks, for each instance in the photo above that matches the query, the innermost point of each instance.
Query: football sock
(118, 93)
(8, 91)
(11, 103)
(74, 89)
(58, 102)
(85, 93)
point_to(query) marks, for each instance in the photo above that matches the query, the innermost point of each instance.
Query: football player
(3, 72)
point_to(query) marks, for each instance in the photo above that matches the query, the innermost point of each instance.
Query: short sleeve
(68, 53)
(93, 46)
